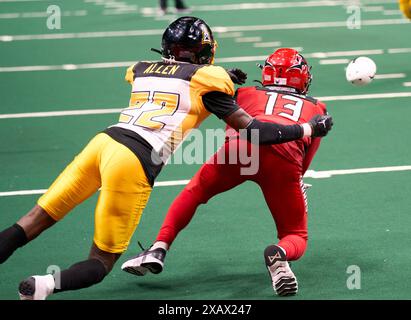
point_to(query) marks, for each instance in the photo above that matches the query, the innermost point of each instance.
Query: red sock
(294, 246)
(178, 216)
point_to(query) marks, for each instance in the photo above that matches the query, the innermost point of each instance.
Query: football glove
(320, 125)
(237, 76)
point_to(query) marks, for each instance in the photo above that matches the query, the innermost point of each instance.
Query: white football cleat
(148, 260)
(283, 279)
(36, 287)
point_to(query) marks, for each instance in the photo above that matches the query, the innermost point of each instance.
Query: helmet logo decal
(206, 37)
(299, 65)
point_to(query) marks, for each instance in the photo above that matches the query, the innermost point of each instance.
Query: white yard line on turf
(390, 76)
(148, 11)
(230, 35)
(399, 50)
(69, 67)
(221, 29)
(334, 61)
(367, 96)
(272, 44)
(41, 14)
(330, 173)
(334, 54)
(309, 174)
(121, 64)
(407, 84)
(395, 12)
(48, 114)
(248, 39)
(20, 1)
(372, 8)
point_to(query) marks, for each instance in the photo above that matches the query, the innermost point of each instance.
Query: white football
(361, 71)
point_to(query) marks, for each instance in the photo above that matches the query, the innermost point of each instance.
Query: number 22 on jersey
(290, 111)
(147, 109)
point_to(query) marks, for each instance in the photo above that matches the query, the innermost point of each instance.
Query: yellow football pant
(405, 6)
(124, 192)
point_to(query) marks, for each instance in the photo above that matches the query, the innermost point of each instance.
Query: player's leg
(80, 275)
(25, 230)
(77, 182)
(280, 181)
(214, 177)
(163, 6)
(88, 272)
(124, 194)
(181, 7)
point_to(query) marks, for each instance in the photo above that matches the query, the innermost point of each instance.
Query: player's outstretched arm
(273, 133)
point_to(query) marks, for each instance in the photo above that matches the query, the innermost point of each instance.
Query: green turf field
(360, 219)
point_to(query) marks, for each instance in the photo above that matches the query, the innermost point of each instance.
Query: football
(361, 71)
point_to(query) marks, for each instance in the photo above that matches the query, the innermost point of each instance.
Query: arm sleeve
(271, 133)
(219, 103)
(309, 155)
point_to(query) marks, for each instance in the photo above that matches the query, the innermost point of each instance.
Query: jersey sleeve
(220, 104)
(212, 78)
(130, 74)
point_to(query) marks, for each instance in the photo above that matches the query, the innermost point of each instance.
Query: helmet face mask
(287, 68)
(189, 39)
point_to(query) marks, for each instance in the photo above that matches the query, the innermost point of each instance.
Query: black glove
(320, 125)
(237, 76)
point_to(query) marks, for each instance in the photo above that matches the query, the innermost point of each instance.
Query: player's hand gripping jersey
(274, 105)
(167, 101)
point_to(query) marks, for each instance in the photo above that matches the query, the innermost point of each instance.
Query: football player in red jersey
(282, 99)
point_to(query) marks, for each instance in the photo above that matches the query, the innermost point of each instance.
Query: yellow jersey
(166, 103)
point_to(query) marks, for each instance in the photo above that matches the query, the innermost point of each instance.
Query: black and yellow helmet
(189, 39)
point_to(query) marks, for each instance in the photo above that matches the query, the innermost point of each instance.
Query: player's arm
(225, 107)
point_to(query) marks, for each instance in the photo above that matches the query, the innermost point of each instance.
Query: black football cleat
(283, 279)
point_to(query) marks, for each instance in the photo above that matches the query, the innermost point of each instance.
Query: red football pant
(279, 179)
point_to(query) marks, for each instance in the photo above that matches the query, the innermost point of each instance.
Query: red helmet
(286, 67)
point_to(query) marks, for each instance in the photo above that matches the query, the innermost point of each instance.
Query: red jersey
(273, 105)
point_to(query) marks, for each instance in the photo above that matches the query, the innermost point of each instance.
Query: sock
(10, 240)
(80, 275)
(160, 244)
(294, 246)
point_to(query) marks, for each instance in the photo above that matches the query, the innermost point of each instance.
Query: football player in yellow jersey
(405, 7)
(168, 98)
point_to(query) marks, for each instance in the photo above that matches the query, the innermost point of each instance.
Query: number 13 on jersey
(290, 111)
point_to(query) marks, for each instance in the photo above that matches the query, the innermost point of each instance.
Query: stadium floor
(360, 219)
